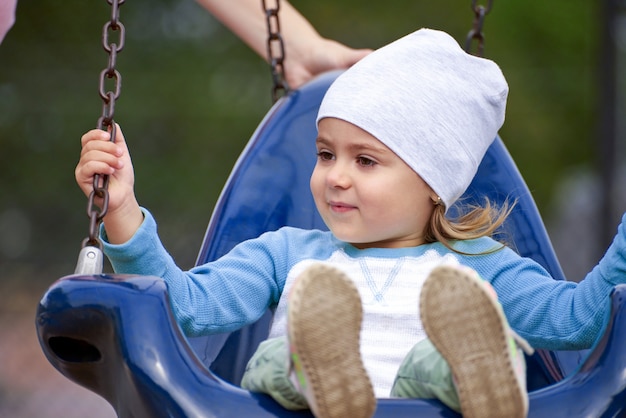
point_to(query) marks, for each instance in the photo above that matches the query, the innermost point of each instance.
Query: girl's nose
(338, 176)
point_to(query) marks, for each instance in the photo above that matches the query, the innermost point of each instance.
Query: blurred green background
(192, 94)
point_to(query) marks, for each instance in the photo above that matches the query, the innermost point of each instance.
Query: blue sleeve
(612, 267)
(216, 297)
(548, 313)
(554, 314)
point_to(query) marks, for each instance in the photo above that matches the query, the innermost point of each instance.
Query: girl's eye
(365, 162)
(324, 155)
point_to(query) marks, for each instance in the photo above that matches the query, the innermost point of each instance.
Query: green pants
(423, 374)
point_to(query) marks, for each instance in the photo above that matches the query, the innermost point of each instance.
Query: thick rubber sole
(324, 317)
(469, 329)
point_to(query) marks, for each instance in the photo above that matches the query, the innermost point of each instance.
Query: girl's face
(365, 193)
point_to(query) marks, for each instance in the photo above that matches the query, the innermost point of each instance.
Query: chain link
(275, 51)
(476, 33)
(106, 121)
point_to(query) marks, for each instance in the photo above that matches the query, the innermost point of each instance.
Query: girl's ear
(436, 200)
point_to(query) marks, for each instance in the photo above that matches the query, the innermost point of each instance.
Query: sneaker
(324, 326)
(465, 322)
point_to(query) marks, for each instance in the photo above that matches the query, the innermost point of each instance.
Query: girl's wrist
(122, 223)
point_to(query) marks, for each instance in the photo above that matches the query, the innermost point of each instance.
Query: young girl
(388, 301)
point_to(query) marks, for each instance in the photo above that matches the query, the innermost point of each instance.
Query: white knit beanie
(437, 107)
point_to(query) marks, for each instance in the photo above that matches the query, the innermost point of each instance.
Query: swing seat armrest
(116, 336)
(598, 386)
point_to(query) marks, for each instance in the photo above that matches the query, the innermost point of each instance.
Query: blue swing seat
(115, 334)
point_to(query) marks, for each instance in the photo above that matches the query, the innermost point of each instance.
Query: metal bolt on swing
(91, 257)
(90, 261)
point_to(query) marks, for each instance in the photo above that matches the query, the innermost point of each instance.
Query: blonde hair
(476, 222)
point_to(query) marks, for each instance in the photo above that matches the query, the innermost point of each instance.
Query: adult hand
(307, 54)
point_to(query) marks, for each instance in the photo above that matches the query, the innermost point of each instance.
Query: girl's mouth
(340, 207)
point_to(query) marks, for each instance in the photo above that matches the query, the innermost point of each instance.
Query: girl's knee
(268, 372)
(424, 374)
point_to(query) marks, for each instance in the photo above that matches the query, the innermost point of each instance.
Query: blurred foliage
(193, 93)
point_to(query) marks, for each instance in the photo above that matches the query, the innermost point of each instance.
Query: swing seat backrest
(116, 335)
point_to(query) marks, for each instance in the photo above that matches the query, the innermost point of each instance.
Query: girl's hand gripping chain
(101, 156)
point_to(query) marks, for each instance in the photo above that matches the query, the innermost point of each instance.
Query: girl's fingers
(85, 172)
(96, 162)
(98, 136)
(107, 156)
(101, 156)
(95, 143)
(95, 135)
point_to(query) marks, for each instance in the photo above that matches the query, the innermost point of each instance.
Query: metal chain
(476, 33)
(101, 182)
(275, 44)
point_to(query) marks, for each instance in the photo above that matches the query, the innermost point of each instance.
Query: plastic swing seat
(115, 334)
